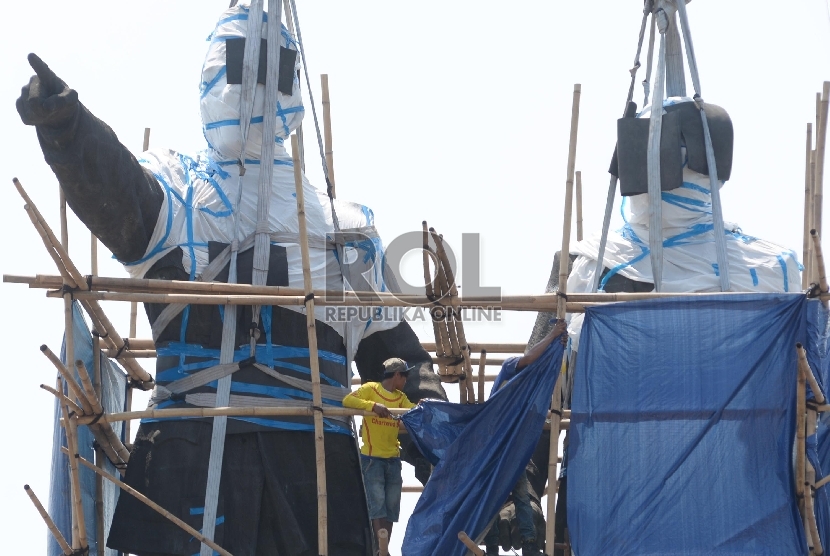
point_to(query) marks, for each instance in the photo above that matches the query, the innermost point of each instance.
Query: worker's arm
(559, 330)
(355, 400)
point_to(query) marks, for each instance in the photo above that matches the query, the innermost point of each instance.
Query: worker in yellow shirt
(380, 455)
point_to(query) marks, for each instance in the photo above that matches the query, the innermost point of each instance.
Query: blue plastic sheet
(682, 428)
(818, 446)
(498, 435)
(114, 383)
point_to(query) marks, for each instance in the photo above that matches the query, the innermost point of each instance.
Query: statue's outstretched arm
(103, 182)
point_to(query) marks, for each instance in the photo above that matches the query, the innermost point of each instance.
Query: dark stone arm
(104, 184)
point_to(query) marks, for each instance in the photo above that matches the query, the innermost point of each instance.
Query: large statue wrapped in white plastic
(178, 217)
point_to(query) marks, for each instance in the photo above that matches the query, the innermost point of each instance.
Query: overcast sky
(457, 113)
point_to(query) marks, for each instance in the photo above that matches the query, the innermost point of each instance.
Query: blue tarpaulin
(114, 387)
(682, 428)
(498, 437)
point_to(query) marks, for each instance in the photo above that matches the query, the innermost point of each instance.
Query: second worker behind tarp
(520, 494)
(380, 454)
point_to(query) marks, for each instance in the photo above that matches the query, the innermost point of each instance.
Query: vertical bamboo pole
(314, 362)
(134, 305)
(78, 522)
(800, 433)
(579, 206)
(99, 501)
(64, 224)
(49, 523)
(482, 363)
(819, 261)
(324, 82)
(564, 260)
(93, 254)
(808, 211)
(821, 144)
(809, 487)
(383, 542)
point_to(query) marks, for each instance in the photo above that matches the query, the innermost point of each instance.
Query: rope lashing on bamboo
(714, 184)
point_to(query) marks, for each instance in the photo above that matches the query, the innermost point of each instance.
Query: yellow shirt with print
(380, 435)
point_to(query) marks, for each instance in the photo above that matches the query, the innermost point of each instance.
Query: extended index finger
(47, 77)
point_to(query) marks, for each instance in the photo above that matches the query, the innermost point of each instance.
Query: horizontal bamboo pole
(190, 530)
(130, 285)
(490, 348)
(198, 412)
(412, 488)
(133, 353)
(49, 523)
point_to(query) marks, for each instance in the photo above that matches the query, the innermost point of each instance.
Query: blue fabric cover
(60, 499)
(818, 446)
(682, 428)
(478, 451)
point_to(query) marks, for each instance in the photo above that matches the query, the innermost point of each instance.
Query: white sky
(458, 115)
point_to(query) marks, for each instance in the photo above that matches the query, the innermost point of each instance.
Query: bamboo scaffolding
(324, 83)
(808, 211)
(102, 431)
(73, 278)
(129, 490)
(468, 542)
(564, 259)
(67, 550)
(314, 362)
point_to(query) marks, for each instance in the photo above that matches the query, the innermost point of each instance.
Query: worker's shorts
(382, 477)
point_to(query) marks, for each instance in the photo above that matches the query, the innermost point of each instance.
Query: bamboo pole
(63, 219)
(73, 385)
(49, 523)
(314, 362)
(579, 206)
(129, 490)
(100, 541)
(324, 82)
(383, 542)
(103, 432)
(564, 260)
(430, 293)
(801, 404)
(79, 540)
(93, 254)
(819, 260)
(821, 143)
(73, 407)
(482, 363)
(468, 542)
(809, 487)
(808, 212)
(488, 347)
(804, 365)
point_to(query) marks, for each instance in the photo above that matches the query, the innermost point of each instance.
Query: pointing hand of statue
(46, 100)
